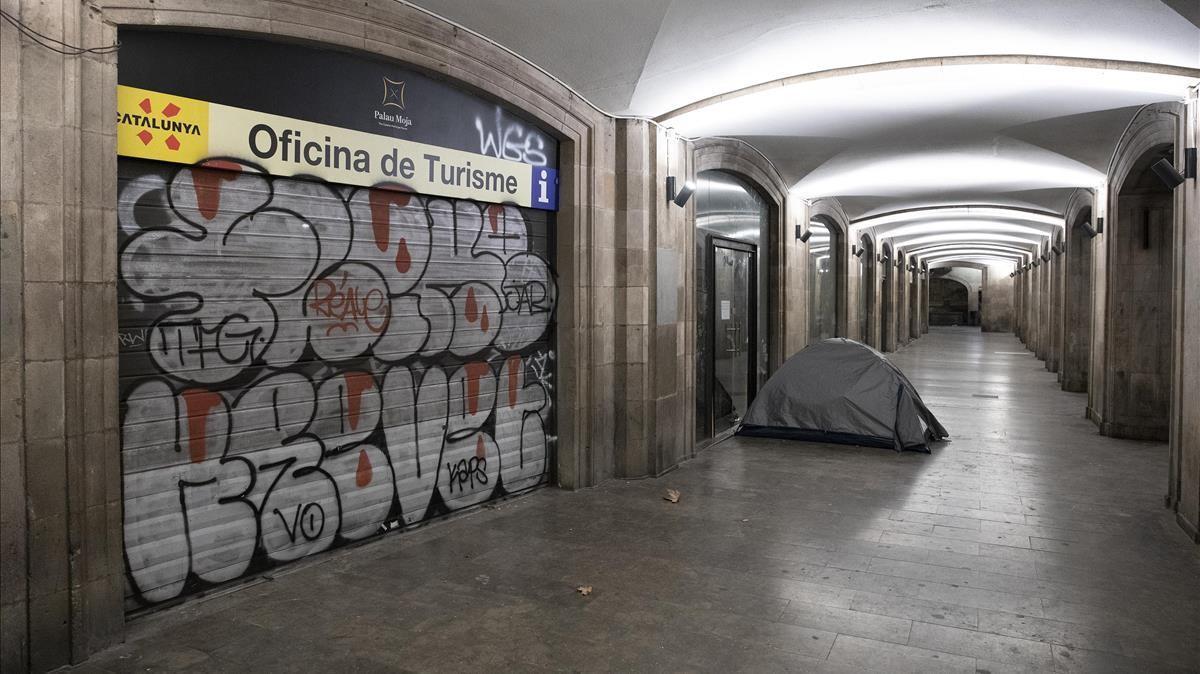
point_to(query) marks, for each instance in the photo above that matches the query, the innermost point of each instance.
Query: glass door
(734, 323)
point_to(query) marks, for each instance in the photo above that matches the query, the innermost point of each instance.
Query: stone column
(655, 333)
(1183, 493)
(61, 554)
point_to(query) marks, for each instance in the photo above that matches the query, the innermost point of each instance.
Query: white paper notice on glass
(724, 310)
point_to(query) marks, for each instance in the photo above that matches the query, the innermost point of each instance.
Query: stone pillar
(654, 340)
(1018, 283)
(1054, 349)
(1183, 494)
(1045, 272)
(1032, 301)
(915, 303)
(793, 304)
(63, 571)
(925, 303)
(902, 294)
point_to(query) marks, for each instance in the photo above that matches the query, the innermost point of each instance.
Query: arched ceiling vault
(948, 248)
(885, 105)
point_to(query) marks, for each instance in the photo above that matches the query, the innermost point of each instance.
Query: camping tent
(839, 390)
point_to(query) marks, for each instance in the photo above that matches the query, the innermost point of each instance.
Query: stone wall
(1183, 493)
(996, 310)
(655, 345)
(61, 520)
(1129, 388)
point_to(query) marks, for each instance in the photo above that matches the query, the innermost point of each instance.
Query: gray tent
(839, 390)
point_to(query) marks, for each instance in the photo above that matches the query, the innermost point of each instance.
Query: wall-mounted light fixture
(1057, 248)
(1092, 231)
(681, 197)
(803, 234)
(1165, 170)
(1045, 257)
(858, 252)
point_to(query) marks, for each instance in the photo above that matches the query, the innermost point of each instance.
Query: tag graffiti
(316, 364)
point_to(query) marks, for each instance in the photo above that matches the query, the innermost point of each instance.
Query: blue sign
(545, 188)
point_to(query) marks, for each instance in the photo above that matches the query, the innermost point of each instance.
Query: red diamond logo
(171, 110)
(172, 142)
(145, 136)
(145, 105)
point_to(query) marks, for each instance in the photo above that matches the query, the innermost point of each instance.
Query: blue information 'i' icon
(545, 188)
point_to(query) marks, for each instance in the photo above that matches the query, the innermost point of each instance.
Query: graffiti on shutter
(306, 364)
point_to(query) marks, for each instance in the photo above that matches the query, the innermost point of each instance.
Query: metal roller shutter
(305, 364)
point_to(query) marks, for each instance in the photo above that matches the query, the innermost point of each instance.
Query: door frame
(711, 243)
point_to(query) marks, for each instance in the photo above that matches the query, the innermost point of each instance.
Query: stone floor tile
(979, 644)
(847, 621)
(879, 656)
(1027, 542)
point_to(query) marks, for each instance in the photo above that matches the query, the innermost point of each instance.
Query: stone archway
(830, 214)
(826, 276)
(866, 296)
(1138, 337)
(1078, 297)
(948, 301)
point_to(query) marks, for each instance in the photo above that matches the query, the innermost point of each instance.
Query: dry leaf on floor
(584, 590)
(672, 495)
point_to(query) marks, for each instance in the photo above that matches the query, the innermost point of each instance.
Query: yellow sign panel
(153, 125)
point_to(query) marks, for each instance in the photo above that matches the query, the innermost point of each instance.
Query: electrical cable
(54, 44)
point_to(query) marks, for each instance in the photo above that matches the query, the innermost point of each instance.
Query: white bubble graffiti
(304, 365)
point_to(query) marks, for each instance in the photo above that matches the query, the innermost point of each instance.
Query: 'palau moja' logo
(393, 93)
(393, 96)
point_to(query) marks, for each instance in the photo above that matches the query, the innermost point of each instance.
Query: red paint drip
(362, 476)
(494, 213)
(472, 309)
(513, 365)
(381, 200)
(206, 181)
(475, 372)
(200, 403)
(356, 384)
(480, 450)
(483, 320)
(403, 257)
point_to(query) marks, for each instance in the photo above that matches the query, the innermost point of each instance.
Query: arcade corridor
(1026, 542)
(359, 335)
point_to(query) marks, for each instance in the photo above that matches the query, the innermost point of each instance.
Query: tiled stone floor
(1028, 542)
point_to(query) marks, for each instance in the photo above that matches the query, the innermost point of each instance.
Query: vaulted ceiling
(878, 103)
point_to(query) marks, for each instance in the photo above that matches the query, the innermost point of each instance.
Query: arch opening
(1140, 296)
(824, 276)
